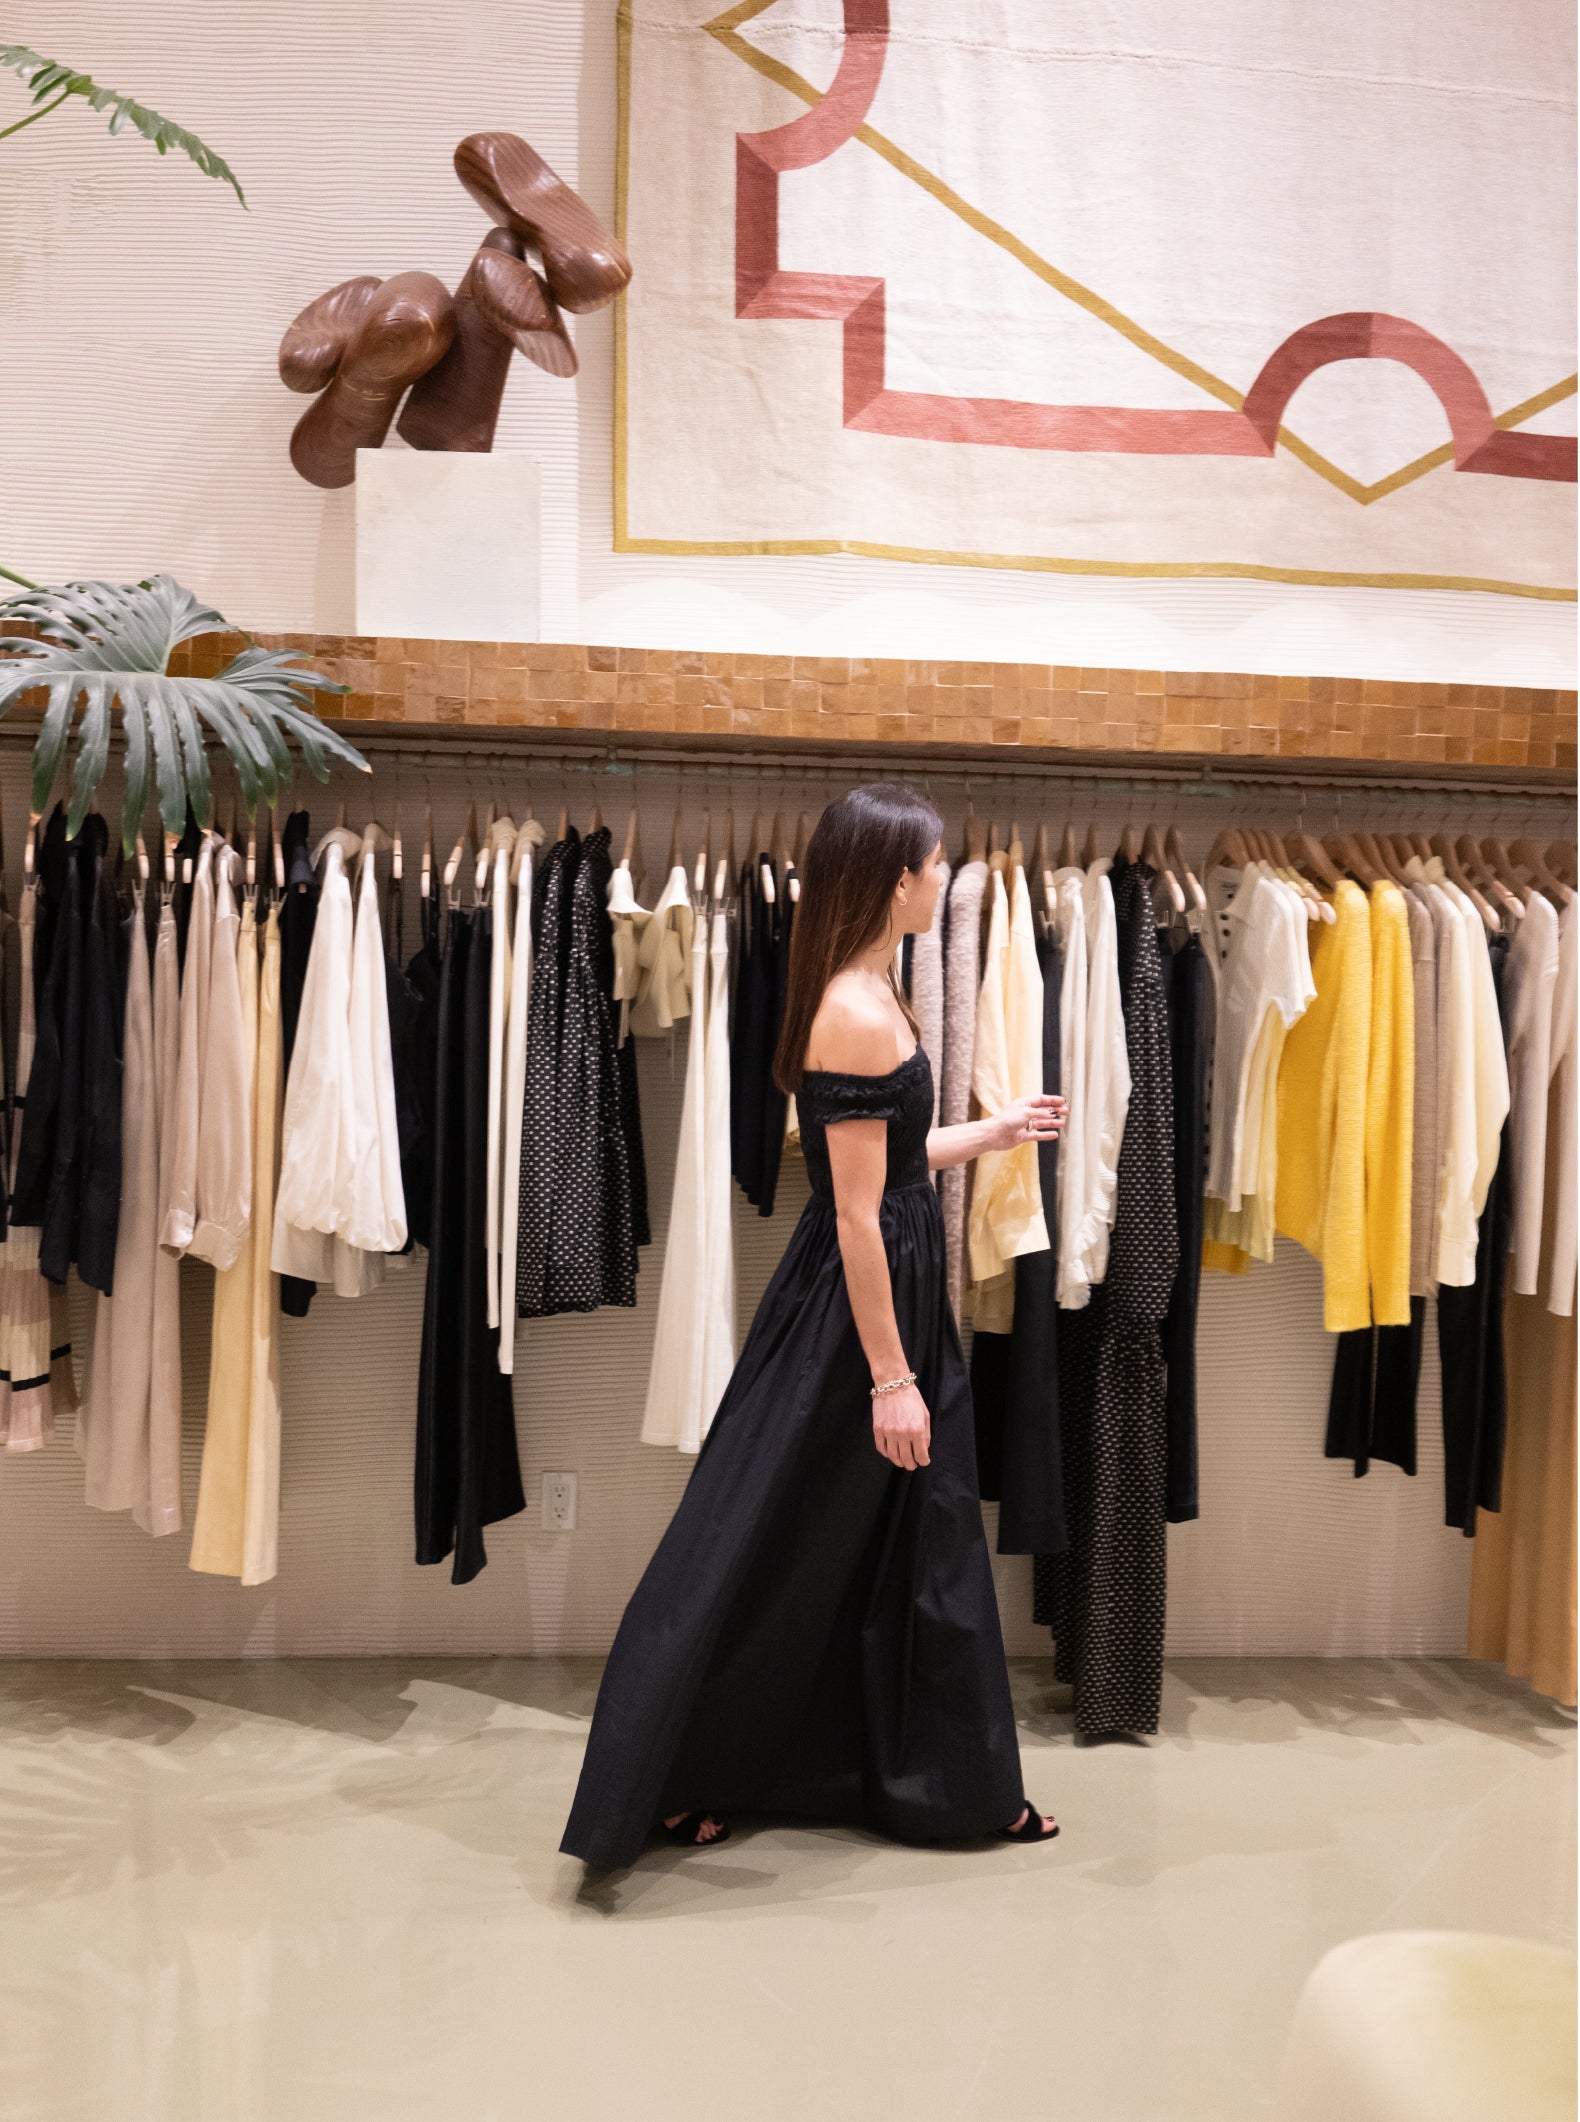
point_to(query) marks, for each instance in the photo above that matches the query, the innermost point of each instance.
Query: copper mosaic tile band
(682, 692)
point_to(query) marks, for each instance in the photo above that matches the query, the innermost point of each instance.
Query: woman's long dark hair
(861, 847)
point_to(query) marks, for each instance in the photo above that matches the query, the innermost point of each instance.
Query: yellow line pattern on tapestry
(724, 29)
(726, 548)
(1037, 563)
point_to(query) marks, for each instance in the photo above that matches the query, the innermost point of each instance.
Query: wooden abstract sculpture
(500, 305)
(582, 263)
(360, 346)
(363, 343)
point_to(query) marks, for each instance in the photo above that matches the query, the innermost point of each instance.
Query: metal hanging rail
(620, 752)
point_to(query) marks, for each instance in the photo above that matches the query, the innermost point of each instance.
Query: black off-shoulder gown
(816, 1636)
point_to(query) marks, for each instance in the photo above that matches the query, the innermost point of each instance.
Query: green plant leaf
(47, 77)
(105, 644)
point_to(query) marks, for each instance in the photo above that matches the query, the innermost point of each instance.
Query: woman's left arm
(1036, 1119)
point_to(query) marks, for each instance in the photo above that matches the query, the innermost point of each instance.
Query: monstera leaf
(106, 642)
(51, 83)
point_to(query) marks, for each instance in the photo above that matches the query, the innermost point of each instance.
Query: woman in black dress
(816, 1635)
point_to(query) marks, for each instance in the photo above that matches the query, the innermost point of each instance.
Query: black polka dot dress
(578, 1238)
(1105, 1596)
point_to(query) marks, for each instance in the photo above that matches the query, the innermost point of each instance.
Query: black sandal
(1030, 1829)
(687, 1831)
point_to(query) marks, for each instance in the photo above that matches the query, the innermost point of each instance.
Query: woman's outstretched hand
(1037, 1119)
(902, 1427)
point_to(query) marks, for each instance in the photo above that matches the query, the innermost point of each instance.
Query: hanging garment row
(1352, 1042)
(1300, 1041)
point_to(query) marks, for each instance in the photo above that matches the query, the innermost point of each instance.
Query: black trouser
(1371, 1412)
(1371, 1408)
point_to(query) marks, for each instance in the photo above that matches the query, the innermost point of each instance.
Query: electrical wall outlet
(559, 1503)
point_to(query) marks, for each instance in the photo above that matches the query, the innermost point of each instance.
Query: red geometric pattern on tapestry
(856, 303)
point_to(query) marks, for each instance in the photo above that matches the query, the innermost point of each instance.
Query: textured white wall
(1291, 1554)
(142, 424)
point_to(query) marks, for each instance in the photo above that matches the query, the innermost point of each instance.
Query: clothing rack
(622, 753)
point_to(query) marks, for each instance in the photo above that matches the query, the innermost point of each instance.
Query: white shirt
(528, 837)
(1107, 1073)
(1267, 969)
(664, 952)
(1074, 1286)
(1488, 1094)
(371, 1205)
(1529, 980)
(1564, 1060)
(1456, 1111)
(224, 1161)
(673, 1409)
(1006, 1202)
(319, 1130)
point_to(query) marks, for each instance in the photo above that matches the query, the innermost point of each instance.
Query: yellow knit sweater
(1322, 1110)
(1390, 1107)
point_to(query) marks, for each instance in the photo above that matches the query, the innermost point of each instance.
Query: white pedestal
(447, 545)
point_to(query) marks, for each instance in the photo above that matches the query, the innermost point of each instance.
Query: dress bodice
(903, 1097)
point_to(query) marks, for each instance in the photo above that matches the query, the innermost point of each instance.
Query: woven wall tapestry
(1222, 289)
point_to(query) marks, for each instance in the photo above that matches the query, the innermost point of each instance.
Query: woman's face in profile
(921, 888)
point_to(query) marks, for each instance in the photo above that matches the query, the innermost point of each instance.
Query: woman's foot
(1031, 1827)
(696, 1830)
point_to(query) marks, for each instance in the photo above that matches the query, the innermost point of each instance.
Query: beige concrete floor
(283, 1892)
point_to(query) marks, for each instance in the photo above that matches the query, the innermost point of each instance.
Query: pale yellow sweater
(1390, 1107)
(1322, 1110)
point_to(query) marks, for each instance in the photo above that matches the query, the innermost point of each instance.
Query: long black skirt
(816, 1636)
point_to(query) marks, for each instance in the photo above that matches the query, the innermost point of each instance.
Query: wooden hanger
(1174, 847)
(974, 845)
(699, 874)
(1443, 848)
(1312, 856)
(1089, 847)
(779, 845)
(993, 847)
(425, 881)
(630, 838)
(1039, 865)
(1129, 844)
(1347, 852)
(1561, 861)
(467, 840)
(1531, 859)
(755, 843)
(1492, 859)
(1067, 846)
(279, 851)
(674, 842)
(1155, 855)
(803, 833)
(1228, 848)
(341, 836)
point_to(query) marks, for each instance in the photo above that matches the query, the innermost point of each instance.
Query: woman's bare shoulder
(853, 1032)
